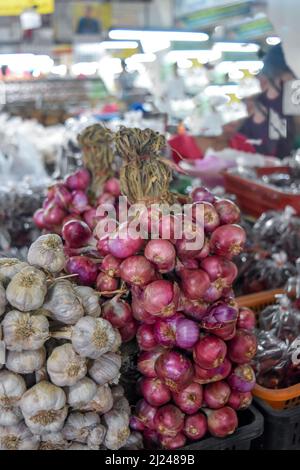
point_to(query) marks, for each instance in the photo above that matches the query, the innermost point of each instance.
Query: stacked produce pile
(195, 348)
(59, 360)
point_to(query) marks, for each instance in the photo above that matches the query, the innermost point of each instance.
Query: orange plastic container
(285, 398)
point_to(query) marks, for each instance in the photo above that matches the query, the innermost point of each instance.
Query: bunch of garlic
(59, 360)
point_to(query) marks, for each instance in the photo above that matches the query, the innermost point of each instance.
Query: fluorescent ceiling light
(253, 66)
(59, 70)
(273, 40)
(203, 56)
(119, 44)
(169, 35)
(22, 62)
(235, 47)
(155, 44)
(141, 58)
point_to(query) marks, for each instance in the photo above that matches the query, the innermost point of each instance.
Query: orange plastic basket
(285, 398)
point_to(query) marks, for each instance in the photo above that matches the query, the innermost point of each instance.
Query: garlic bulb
(117, 392)
(106, 369)
(23, 331)
(92, 337)
(65, 367)
(47, 252)
(101, 402)
(10, 416)
(53, 441)
(27, 289)
(76, 446)
(17, 437)
(12, 387)
(25, 362)
(118, 341)
(3, 300)
(122, 404)
(63, 304)
(44, 408)
(134, 442)
(89, 299)
(96, 437)
(9, 267)
(81, 393)
(79, 426)
(117, 429)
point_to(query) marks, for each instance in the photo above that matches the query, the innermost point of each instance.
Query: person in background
(125, 81)
(88, 24)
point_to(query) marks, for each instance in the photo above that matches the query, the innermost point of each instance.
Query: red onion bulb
(242, 348)
(246, 319)
(222, 422)
(136, 270)
(155, 391)
(117, 312)
(228, 211)
(161, 298)
(146, 362)
(187, 333)
(190, 398)
(239, 400)
(146, 414)
(174, 442)
(145, 338)
(205, 376)
(79, 180)
(85, 268)
(195, 426)
(76, 233)
(169, 420)
(216, 394)
(242, 378)
(175, 370)
(194, 283)
(228, 241)
(210, 352)
(162, 254)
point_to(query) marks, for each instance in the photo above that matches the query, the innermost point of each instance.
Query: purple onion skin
(242, 379)
(187, 333)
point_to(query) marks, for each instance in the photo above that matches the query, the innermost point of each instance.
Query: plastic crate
(281, 428)
(250, 429)
(284, 398)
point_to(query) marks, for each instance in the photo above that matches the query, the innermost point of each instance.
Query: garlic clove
(93, 337)
(3, 300)
(25, 362)
(18, 437)
(118, 430)
(23, 331)
(27, 289)
(47, 252)
(63, 304)
(102, 401)
(65, 367)
(106, 369)
(81, 393)
(89, 299)
(12, 387)
(9, 267)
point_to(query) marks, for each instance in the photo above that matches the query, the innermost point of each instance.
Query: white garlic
(89, 299)
(47, 252)
(3, 300)
(23, 331)
(44, 408)
(81, 393)
(117, 429)
(53, 441)
(10, 416)
(92, 337)
(27, 289)
(122, 404)
(96, 436)
(101, 402)
(78, 426)
(118, 341)
(134, 442)
(17, 437)
(65, 367)
(25, 362)
(77, 446)
(41, 374)
(106, 369)
(12, 387)
(9, 267)
(63, 304)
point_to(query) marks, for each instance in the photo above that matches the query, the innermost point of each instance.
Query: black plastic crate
(251, 427)
(281, 429)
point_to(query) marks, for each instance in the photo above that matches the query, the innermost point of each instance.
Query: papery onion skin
(146, 414)
(222, 422)
(117, 312)
(194, 283)
(195, 426)
(210, 352)
(228, 211)
(76, 233)
(216, 394)
(169, 420)
(105, 283)
(161, 298)
(242, 378)
(175, 370)
(239, 400)
(190, 399)
(146, 362)
(246, 319)
(226, 332)
(155, 392)
(196, 309)
(128, 332)
(145, 338)
(242, 348)
(187, 333)
(228, 241)
(205, 376)
(172, 443)
(136, 270)
(87, 270)
(162, 254)
(78, 180)
(219, 314)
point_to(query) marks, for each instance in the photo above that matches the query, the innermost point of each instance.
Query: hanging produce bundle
(59, 359)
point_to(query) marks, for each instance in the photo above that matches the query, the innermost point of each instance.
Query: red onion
(228, 240)
(105, 283)
(197, 309)
(106, 199)
(184, 246)
(76, 233)
(204, 251)
(51, 193)
(146, 362)
(145, 338)
(139, 313)
(202, 194)
(187, 333)
(242, 378)
(190, 398)
(117, 312)
(242, 348)
(169, 420)
(186, 264)
(54, 215)
(112, 186)
(151, 439)
(220, 268)
(228, 211)
(226, 332)
(209, 352)
(161, 298)
(216, 394)
(174, 442)
(215, 291)
(80, 202)
(111, 266)
(165, 331)
(136, 424)
(205, 376)
(122, 245)
(195, 426)
(246, 319)
(90, 217)
(146, 414)
(102, 245)
(175, 370)
(128, 332)
(38, 218)
(136, 270)
(71, 217)
(218, 315)
(162, 254)
(194, 283)
(85, 268)
(169, 227)
(79, 180)
(239, 400)
(155, 391)
(48, 203)
(211, 218)
(63, 197)
(222, 422)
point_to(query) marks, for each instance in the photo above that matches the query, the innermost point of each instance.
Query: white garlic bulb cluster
(59, 360)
